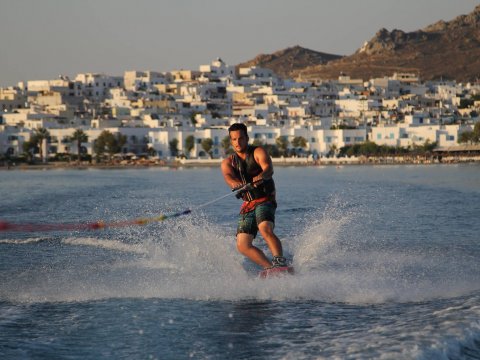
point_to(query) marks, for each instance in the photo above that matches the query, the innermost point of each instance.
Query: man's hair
(238, 126)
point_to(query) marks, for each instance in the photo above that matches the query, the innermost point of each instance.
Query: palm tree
(29, 147)
(332, 150)
(80, 137)
(207, 145)
(40, 136)
(189, 144)
(173, 147)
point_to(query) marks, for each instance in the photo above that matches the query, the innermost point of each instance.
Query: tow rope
(28, 227)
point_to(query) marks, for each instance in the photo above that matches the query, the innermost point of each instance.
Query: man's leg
(245, 246)
(273, 242)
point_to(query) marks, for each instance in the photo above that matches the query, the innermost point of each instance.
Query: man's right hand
(237, 187)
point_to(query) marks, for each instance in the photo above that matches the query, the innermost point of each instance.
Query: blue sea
(386, 260)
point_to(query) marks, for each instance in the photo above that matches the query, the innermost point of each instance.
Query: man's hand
(241, 189)
(238, 187)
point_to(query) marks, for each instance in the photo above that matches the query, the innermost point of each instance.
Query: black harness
(246, 170)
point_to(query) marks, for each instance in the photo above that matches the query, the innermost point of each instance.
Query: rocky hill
(288, 61)
(448, 50)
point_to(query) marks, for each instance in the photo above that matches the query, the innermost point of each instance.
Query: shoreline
(281, 162)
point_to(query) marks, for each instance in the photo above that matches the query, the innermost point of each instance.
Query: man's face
(239, 141)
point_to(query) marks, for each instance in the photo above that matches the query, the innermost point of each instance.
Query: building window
(329, 139)
(391, 135)
(379, 136)
(347, 139)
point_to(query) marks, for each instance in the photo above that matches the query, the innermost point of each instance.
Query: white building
(96, 86)
(405, 135)
(217, 70)
(134, 80)
(356, 107)
(11, 99)
(160, 141)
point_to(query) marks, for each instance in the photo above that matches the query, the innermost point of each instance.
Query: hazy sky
(41, 39)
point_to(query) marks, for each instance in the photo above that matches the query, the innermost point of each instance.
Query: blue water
(386, 263)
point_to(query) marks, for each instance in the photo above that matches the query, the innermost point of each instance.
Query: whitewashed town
(183, 116)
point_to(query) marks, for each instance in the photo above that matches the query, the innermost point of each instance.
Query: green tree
(207, 145)
(38, 138)
(299, 142)
(282, 145)
(476, 133)
(151, 152)
(368, 148)
(226, 145)
(29, 148)
(173, 146)
(189, 143)
(465, 137)
(332, 150)
(428, 146)
(472, 137)
(108, 143)
(79, 137)
(272, 150)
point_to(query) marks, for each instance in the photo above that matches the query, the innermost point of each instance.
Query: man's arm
(229, 174)
(263, 159)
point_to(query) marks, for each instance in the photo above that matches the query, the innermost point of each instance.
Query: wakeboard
(276, 272)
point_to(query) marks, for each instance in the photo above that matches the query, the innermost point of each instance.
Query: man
(252, 165)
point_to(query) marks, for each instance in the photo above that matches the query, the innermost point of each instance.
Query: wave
(23, 241)
(106, 244)
(460, 338)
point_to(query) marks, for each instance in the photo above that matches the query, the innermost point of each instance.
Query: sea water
(386, 260)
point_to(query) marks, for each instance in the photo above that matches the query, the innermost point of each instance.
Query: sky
(41, 39)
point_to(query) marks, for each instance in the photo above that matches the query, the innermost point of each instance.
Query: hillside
(286, 62)
(448, 50)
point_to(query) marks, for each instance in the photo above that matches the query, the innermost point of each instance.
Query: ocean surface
(386, 259)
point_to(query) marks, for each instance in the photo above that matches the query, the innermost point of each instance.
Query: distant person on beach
(252, 165)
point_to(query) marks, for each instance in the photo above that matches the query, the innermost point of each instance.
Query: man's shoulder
(227, 161)
(260, 151)
(258, 148)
